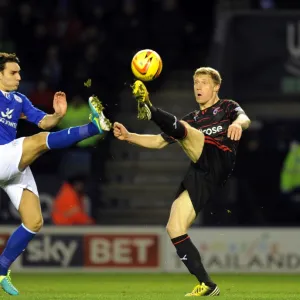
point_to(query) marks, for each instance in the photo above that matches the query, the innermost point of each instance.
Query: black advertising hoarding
(259, 56)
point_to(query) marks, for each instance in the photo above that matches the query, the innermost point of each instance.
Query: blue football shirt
(12, 106)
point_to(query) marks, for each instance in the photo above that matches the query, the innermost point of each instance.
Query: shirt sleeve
(234, 110)
(32, 114)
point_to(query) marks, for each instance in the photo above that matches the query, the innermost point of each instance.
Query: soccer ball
(146, 65)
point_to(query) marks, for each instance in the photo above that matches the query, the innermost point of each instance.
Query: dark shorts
(207, 175)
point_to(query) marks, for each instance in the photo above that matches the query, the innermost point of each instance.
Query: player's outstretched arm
(152, 141)
(60, 109)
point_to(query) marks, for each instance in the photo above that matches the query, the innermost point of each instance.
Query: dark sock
(190, 256)
(67, 137)
(168, 123)
(16, 244)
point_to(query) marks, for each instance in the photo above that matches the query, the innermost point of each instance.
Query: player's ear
(216, 88)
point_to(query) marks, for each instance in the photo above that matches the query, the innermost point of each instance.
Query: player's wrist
(57, 115)
(128, 137)
(238, 124)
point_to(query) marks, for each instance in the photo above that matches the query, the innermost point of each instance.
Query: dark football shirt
(214, 122)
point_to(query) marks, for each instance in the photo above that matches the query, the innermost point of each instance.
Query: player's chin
(200, 100)
(14, 88)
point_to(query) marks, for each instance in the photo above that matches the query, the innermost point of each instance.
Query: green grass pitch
(150, 286)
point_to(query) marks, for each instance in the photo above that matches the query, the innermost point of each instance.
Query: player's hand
(120, 131)
(60, 104)
(234, 132)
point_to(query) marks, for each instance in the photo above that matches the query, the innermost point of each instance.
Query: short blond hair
(214, 74)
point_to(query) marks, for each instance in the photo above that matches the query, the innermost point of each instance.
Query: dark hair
(7, 57)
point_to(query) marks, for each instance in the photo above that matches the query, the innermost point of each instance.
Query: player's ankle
(3, 271)
(210, 284)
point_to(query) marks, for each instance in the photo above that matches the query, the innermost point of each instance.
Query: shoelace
(141, 91)
(197, 289)
(138, 91)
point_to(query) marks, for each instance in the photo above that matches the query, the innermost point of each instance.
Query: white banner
(242, 250)
(148, 249)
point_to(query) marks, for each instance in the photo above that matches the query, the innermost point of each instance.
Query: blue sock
(67, 137)
(15, 245)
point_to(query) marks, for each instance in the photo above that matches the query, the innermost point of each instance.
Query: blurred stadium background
(255, 44)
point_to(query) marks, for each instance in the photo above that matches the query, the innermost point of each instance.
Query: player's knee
(41, 140)
(33, 147)
(37, 142)
(186, 127)
(174, 230)
(35, 223)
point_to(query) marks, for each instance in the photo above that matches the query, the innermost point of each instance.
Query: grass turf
(150, 286)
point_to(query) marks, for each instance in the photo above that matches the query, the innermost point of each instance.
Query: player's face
(204, 88)
(10, 77)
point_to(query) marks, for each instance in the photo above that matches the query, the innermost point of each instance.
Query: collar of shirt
(6, 94)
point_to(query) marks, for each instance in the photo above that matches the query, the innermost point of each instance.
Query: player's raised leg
(192, 143)
(22, 189)
(34, 146)
(181, 217)
(190, 139)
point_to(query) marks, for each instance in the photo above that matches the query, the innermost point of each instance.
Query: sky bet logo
(212, 130)
(54, 250)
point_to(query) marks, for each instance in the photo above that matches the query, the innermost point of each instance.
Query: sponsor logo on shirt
(212, 130)
(216, 110)
(8, 115)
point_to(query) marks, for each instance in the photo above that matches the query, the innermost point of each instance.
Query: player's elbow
(247, 122)
(244, 121)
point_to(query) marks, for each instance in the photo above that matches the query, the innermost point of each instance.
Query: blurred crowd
(62, 43)
(265, 187)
